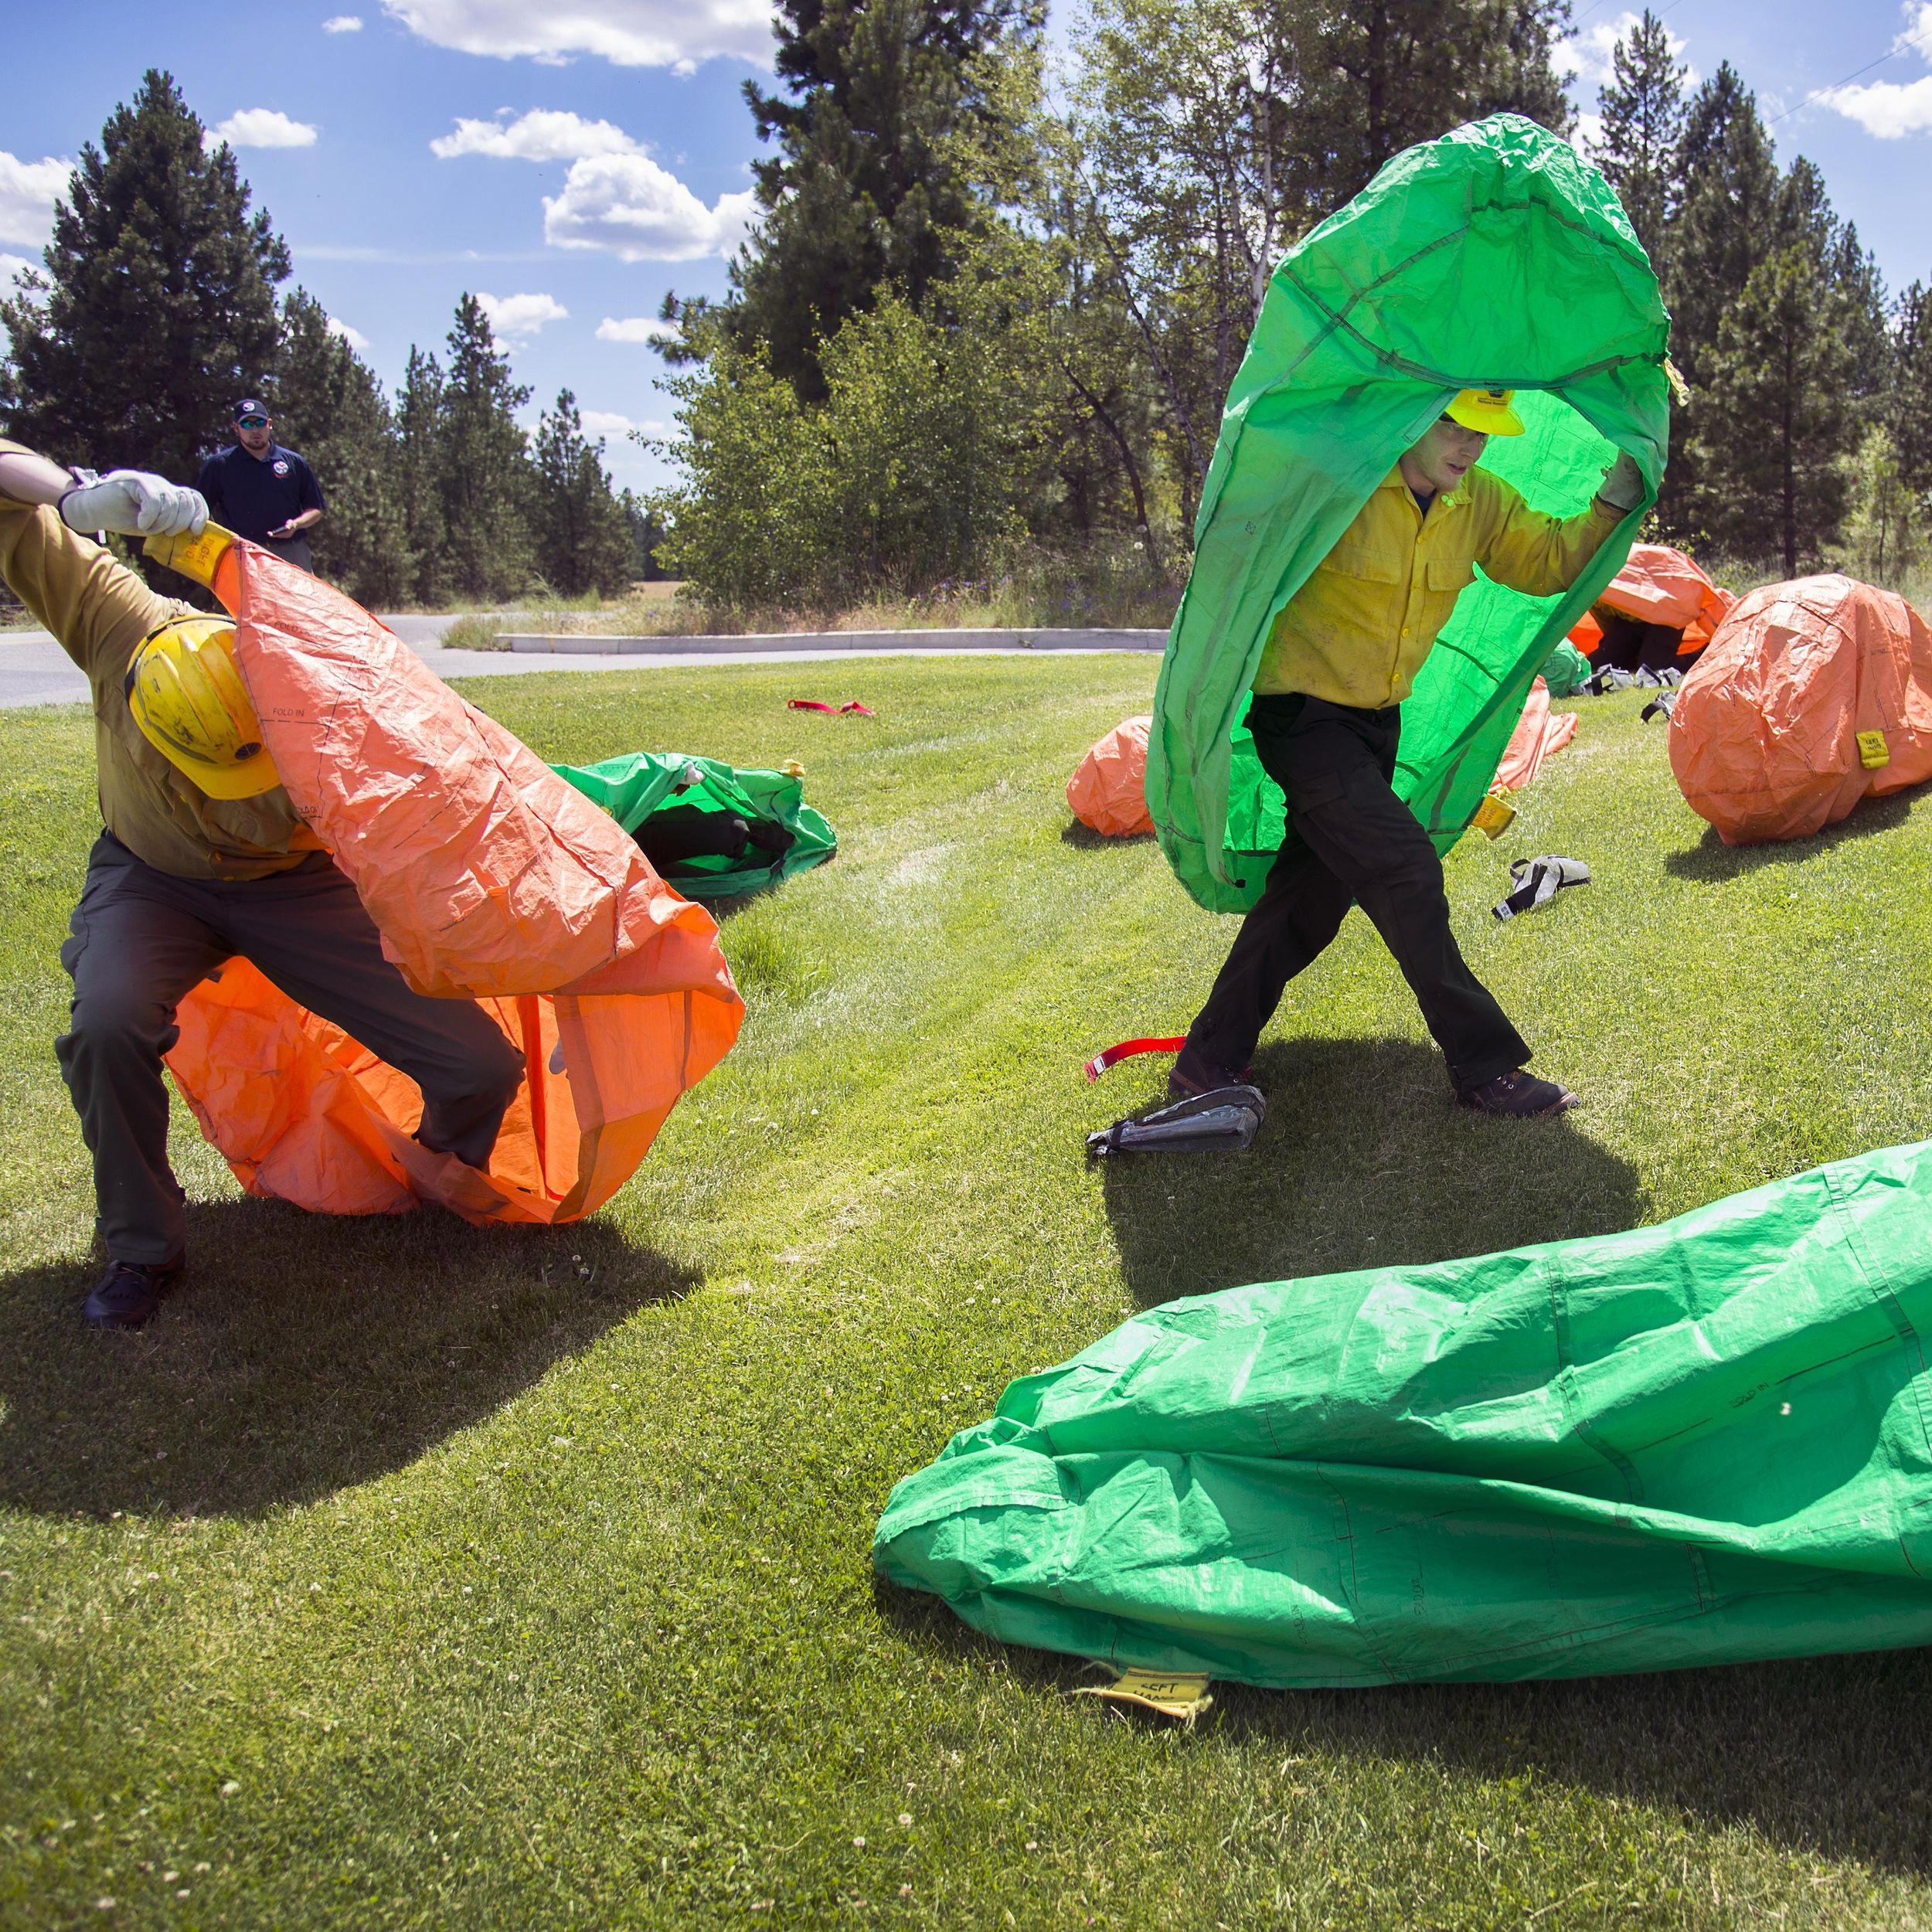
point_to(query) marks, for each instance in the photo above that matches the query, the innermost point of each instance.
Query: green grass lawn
(402, 1574)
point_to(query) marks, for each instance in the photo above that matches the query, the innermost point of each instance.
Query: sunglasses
(254, 422)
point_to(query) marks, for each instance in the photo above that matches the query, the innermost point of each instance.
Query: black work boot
(129, 1293)
(1193, 1075)
(1518, 1096)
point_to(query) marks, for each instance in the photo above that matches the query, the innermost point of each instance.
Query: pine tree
(329, 405)
(885, 102)
(583, 539)
(1777, 420)
(419, 438)
(482, 463)
(156, 308)
(1911, 400)
(1643, 124)
(1728, 223)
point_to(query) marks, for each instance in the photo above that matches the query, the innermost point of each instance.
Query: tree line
(160, 302)
(988, 308)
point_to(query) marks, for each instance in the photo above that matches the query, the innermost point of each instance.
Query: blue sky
(573, 159)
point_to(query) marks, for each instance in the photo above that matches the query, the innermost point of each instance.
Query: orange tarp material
(488, 877)
(1540, 732)
(1765, 736)
(1108, 790)
(1658, 585)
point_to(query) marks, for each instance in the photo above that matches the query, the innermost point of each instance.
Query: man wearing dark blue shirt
(259, 490)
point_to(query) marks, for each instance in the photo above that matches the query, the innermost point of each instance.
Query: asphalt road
(35, 670)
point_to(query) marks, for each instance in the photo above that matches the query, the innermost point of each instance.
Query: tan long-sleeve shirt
(100, 611)
(1357, 631)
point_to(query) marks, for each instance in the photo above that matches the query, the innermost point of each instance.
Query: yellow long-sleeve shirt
(1357, 631)
(99, 611)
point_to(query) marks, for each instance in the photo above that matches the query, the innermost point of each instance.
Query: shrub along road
(402, 1574)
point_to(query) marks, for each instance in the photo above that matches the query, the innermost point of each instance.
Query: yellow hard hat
(192, 707)
(1486, 409)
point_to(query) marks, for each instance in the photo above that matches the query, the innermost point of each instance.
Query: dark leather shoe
(129, 1293)
(1518, 1096)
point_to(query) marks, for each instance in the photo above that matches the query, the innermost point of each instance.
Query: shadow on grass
(1085, 838)
(1710, 858)
(1830, 1755)
(1365, 1161)
(300, 1354)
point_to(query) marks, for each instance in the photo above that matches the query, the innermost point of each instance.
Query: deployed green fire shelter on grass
(1701, 1442)
(1496, 257)
(712, 830)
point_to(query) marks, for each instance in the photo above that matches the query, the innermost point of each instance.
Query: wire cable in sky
(1892, 54)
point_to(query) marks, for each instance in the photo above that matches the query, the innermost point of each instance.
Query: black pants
(140, 939)
(1357, 843)
(1631, 644)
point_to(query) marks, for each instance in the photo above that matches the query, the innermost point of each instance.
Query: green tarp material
(1493, 257)
(1699, 1443)
(1566, 671)
(633, 786)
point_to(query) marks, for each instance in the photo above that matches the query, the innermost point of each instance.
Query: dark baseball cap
(251, 405)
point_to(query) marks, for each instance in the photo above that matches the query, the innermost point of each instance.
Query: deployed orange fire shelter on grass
(489, 878)
(1108, 789)
(1658, 585)
(1812, 695)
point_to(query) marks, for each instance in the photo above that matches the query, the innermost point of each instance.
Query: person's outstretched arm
(1539, 554)
(97, 609)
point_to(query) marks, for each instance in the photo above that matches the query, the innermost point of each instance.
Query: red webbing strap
(812, 704)
(1126, 1049)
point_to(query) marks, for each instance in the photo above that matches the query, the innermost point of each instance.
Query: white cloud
(629, 206)
(629, 329)
(1588, 52)
(11, 268)
(512, 315)
(1589, 133)
(28, 190)
(629, 33)
(354, 337)
(1891, 109)
(542, 135)
(260, 127)
(344, 23)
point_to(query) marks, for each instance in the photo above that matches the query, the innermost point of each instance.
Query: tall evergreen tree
(884, 103)
(1642, 110)
(419, 438)
(1911, 403)
(157, 308)
(483, 462)
(1777, 419)
(582, 540)
(329, 404)
(1729, 221)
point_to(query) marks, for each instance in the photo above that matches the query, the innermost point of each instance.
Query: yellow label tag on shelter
(1873, 751)
(1494, 816)
(1182, 1694)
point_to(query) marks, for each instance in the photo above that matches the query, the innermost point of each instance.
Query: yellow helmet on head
(192, 707)
(1486, 409)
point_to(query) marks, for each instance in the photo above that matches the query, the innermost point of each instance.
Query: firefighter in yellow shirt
(196, 864)
(1326, 716)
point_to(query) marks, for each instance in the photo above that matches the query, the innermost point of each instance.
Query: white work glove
(1623, 485)
(132, 503)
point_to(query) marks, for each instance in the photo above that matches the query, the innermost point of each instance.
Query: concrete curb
(578, 645)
